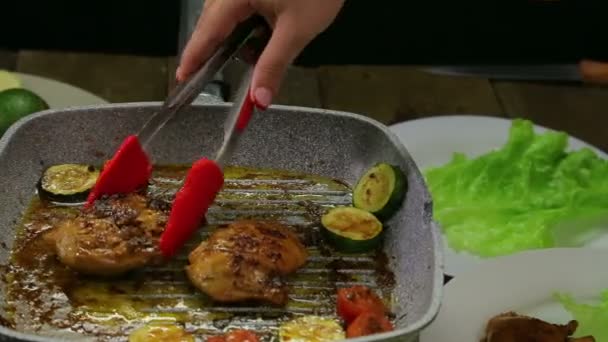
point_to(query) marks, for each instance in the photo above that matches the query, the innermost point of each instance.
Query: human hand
(295, 23)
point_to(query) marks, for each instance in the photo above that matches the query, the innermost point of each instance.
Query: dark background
(366, 31)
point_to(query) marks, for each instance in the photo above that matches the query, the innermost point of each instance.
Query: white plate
(524, 283)
(432, 142)
(57, 94)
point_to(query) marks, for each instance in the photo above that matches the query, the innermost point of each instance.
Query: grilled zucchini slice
(352, 230)
(311, 329)
(381, 190)
(67, 183)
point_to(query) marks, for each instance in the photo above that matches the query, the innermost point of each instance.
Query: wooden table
(386, 93)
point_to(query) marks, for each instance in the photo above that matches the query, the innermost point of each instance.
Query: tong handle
(245, 113)
(243, 107)
(237, 118)
(185, 92)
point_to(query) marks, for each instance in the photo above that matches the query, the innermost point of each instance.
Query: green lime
(16, 103)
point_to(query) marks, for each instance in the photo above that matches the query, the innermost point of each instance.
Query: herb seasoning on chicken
(49, 296)
(119, 233)
(244, 260)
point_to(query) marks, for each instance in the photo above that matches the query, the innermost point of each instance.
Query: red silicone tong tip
(245, 113)
(128, 170)
(204, 180)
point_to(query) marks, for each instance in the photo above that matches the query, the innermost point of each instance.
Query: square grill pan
(318, 142)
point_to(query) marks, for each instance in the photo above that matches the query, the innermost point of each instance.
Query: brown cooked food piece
(117, 234)
(245, 260)
(511, 327)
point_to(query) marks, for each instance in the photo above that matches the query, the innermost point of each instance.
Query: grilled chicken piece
(116, 235)
(245, 260)
(511, 327)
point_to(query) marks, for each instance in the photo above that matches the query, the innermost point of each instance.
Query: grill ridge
(165, 293)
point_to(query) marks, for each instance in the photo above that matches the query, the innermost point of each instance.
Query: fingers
(283, 47)
(218, 20)
(295, 23)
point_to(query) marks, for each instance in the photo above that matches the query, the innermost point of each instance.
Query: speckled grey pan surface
(329, 143)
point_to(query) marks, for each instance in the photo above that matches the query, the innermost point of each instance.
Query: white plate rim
(456, 263)
(522, 280)
(487, 119)
(58, 94)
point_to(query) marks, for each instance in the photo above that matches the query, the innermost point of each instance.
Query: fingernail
(178, 73)
(262, 97)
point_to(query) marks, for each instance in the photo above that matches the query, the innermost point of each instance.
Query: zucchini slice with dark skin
(381, 190)
(67, 183)
(352, 230)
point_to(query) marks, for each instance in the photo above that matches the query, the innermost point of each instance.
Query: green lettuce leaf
(592, 319)
(531, 193)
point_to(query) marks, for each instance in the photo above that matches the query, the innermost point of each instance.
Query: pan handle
(207, 98)
(213, 93)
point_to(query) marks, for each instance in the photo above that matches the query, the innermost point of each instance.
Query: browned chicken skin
(243, 261)
(116, 235)
(511, 327)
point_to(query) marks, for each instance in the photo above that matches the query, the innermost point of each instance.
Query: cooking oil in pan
(44, 297)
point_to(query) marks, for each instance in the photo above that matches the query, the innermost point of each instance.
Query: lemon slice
(8, 80)
(311, 329)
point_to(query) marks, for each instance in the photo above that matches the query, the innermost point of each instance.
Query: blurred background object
(378, 33)
(373, 60)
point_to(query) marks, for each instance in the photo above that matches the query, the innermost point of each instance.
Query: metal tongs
(130, 168)
(185, 93)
